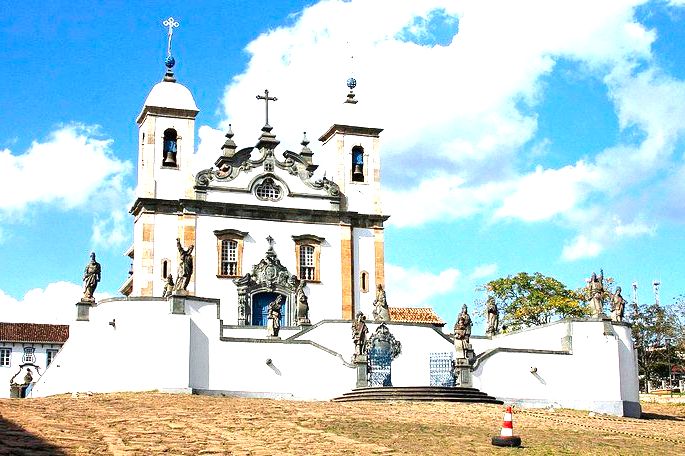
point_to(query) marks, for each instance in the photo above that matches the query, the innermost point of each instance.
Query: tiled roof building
(415, 315)
(34, 332)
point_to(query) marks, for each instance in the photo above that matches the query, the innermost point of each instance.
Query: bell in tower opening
(358, 164)
(170, 147)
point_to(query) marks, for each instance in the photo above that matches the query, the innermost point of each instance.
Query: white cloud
(581, 247)
(416, 288)
(55, 304)
(73, 168)
(68, 168)
(457, 117)
(482, 271)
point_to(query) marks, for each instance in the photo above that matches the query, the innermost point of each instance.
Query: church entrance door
(260, 307)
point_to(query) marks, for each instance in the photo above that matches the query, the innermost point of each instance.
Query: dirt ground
(157, 423)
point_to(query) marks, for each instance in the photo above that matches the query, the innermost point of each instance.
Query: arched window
(358, 164)
(268, 190)
(364, 282)
(308, 255)
(170, 147)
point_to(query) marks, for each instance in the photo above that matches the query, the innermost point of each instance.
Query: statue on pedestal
(595, 287)
(185, 266)
(462, 335)
(168, 287)
(302, 304)
(91, 277)
(493, 316)
(618, 304)
(273, 324)
(359, 335)
(380, 311)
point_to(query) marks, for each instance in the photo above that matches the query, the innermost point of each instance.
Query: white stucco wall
(150, 348)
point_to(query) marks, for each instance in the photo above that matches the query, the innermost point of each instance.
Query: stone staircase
(418, 393)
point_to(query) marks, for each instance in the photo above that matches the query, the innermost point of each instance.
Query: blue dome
(169, 61)
(351, 83)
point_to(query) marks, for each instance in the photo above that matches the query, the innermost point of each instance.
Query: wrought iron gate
(441, 372)
(380, 361)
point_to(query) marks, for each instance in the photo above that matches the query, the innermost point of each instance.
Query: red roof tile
(34, 332)
(415, 315)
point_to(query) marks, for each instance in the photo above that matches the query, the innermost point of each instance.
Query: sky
(536, 136)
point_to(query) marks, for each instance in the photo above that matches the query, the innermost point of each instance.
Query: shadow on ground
(15, 440)
(656, 416)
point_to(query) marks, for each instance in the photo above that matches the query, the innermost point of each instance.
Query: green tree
(659, 341)
(526, 300)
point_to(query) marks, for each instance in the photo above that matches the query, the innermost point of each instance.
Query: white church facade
(256, 226)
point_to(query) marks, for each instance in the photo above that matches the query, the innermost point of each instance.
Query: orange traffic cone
(507, 437)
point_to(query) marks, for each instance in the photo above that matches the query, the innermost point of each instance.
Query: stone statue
(91, 277)
(28, 378)
(596, 290)
(302, 304)
(618, 304)
(168, 286)
(462, 328)
(493, 316)
(359, 334)
(273, 324)
(185, 266)
(380, 311)
(462, 336)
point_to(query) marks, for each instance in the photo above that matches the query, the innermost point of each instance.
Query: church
(247, 277)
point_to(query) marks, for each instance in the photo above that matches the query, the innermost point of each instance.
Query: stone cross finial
(270, 240)
(266, 99)
(171, 23)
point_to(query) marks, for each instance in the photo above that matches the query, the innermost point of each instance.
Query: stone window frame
(313, 241)
(5, 356)
(230, 235)
(29, 355)
(50, 354)
(269, 182)
(364, 278)
(364, 179)
(178, 143)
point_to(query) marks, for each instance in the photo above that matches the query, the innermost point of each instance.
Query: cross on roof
(270, 240)
(266, 99)
(171, 23)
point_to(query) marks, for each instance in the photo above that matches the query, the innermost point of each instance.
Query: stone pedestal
(462, 373)
(304, 322)
(608, 328)
(83, 310)
(362, 370)
(178, 302)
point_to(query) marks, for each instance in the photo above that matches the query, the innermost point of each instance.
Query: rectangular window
(51, 355)
(229, 257)
(307, 265)
(5, 356)
(29, 355)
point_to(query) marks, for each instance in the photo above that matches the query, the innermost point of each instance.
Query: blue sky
(519, 136)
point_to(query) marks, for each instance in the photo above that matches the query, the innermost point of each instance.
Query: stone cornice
(165, 112)
(350, 129)
(248, 211)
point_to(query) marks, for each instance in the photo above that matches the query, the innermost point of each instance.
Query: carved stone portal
(267, 276)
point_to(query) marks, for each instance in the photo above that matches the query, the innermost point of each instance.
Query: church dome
(167, 94)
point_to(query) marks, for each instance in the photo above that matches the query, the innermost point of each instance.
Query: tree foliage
(526, 300)
(659, 339)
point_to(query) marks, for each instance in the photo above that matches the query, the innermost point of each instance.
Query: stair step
(418, 393)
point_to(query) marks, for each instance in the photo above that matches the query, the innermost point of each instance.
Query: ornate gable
(232, 165)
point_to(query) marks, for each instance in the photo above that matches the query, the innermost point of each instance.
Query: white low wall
(597, 373)
(573, 363)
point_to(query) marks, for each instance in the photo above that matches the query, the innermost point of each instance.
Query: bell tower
(352, 153)
(166, 136)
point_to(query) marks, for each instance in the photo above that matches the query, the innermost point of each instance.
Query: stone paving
(157, 423)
